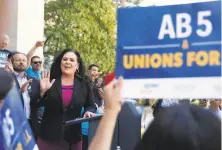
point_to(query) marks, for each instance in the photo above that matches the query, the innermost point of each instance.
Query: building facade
(23, 22)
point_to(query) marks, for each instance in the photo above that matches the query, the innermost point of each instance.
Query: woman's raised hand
(45, 83)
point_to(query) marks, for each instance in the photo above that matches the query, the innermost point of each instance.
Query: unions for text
(172, 60)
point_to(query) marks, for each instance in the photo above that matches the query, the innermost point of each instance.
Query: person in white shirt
(29, 88)
(19, 63)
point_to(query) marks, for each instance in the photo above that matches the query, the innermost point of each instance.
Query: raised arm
(33, 50)
(113, 101)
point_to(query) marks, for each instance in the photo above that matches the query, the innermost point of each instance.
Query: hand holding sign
(113, 99)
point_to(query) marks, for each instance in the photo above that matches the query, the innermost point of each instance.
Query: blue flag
(15, 132)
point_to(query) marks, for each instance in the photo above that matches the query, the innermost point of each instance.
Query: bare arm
(113, 102)
(103, 138)
(31, 53)
(33, 50)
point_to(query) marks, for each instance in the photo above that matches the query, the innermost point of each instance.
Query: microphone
(89, 83)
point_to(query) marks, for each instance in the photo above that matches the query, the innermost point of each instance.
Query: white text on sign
(184, 27)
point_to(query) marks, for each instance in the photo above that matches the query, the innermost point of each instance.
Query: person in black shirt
(97, 84)
(93, 73)
(6, 79)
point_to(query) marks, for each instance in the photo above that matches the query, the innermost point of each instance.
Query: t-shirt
(96, 97)
(31, 73)
(4, 55)
(67, 94)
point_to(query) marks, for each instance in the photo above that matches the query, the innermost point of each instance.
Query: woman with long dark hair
(64, 95)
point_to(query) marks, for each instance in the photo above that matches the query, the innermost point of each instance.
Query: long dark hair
(56, 72)
(183, 127)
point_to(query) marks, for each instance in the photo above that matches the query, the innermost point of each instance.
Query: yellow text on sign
(203, 58)
(156, 60)
(172, 60)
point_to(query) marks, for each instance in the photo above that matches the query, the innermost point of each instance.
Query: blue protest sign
(15, 132)
(170, 51)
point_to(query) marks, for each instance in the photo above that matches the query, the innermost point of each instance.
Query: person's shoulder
(84, 81)
(5, 51)
(8, 51)
(87, 78)
(6, 80)
(29, 72)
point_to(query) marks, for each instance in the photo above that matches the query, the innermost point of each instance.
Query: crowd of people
(68, 92)
(50, 98)
(214, 105)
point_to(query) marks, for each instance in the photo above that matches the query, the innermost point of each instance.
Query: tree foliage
(88, 26)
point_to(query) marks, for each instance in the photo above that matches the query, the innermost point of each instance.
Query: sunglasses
(37, 62)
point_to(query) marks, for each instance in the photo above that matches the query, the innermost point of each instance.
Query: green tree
(88, 26)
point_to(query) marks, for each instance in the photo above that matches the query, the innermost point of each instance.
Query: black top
(52, 128)
(157, 106)
(6, 79)
(95, 90)
(96, 94)
(96, 97)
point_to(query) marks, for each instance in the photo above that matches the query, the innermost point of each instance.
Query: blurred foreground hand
(112, 92)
